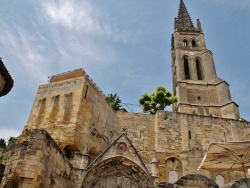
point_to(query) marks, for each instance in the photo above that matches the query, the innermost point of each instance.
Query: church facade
(74, 139)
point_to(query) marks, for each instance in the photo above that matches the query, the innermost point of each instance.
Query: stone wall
(141, 131)
(74, 112)
(184, 138)
(37, 163)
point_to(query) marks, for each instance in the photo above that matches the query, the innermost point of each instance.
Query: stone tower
(195, 82)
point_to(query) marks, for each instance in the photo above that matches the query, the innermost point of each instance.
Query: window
(186, 69)
(172, 176)
(220, 180)
(185, 43)
(86, 91)
(193, 43)
(190, 134)
(199, 70)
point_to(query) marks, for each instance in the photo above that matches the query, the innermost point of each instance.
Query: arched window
(186, 69)
(172, 176)
(193, 43)
(220, 180)
(199, 70)
(185, 43)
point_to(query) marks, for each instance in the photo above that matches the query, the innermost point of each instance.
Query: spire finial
(184, 21)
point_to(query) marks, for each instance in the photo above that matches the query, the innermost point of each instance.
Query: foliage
(114, 101)
(3, 143)
(157, 100)
(12, 141)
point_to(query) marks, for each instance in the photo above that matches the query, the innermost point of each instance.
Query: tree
(114, 101)
(3, 143)
(12, 141)
(157, 100)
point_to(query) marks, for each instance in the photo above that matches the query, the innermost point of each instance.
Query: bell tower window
(185, 43)
(193, 43)
(199, 70)
(186, 69)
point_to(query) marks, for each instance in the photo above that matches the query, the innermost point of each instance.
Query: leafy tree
(12, 141)
(3, 143)
(114, 101)
(157, 100)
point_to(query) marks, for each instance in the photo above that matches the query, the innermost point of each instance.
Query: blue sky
(124, 46)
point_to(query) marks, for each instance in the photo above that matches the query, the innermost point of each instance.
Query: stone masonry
(73, 138)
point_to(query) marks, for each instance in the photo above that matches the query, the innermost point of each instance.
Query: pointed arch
(117, 170)
(186, 68)
(185, 43)
(199, 69)
(174, 169)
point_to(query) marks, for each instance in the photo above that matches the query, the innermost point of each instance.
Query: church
(74, 139)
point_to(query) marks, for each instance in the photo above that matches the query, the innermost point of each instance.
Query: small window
(172, 176)
(185, 43)
(220, 180)
(186, 69)
(193, 43)
(190, 135)
(199, 98)
(86, 91)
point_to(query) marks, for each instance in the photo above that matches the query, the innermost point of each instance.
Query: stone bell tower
(195, 82)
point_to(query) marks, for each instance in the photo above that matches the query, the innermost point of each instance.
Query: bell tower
(195, 82)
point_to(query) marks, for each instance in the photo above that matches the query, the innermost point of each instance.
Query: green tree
(157, 100)
(12, 141)
(114, 101)
(3, 143)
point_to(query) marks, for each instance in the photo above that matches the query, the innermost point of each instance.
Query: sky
(124, 46)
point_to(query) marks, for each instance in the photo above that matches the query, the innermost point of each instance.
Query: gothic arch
(186, 70)
(185, 43)
(199, 68)
(194, 43)
(117, 171)
(173, 165)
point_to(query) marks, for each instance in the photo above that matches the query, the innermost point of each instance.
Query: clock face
(191, 53)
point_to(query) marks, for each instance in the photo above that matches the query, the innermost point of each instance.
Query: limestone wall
(181, 141)
(75, 114)
(141, 131)
(96, 123)
(38, 163)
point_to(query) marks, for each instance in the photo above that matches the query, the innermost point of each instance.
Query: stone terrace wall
(185, 138)
(38, 163)
(96, 123)
(141, 131)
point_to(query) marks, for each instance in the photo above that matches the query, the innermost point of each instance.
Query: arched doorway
(117, 172)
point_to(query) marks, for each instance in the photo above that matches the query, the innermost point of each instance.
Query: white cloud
(72, 15)
(83, 17)
(27, 53)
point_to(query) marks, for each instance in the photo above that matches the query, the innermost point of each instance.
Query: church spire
(184, 22)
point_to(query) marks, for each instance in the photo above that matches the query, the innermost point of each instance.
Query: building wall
(141, 131)
(185, 138)
(75, 114)
(37, 163)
